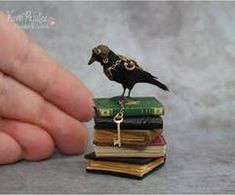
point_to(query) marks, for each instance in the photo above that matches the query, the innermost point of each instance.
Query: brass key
(118, 119)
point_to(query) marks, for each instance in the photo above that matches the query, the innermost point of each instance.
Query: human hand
(42, 105)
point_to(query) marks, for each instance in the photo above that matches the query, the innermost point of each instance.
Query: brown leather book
(157, 148)
(129, 138)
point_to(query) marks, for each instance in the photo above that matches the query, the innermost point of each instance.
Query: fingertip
(69, 134)
(88, 112)
(10, 150)
(36, 143)
(74, 141)
(83, 106)
(39, 149)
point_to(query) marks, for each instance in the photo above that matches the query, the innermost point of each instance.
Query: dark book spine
(130, 123)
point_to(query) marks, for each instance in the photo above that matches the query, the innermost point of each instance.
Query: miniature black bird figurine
(122, 69)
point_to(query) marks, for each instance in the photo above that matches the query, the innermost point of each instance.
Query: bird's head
(101, 54)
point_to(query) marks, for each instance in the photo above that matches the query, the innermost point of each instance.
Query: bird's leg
(129, 94)
(122, 96)
(129, 98)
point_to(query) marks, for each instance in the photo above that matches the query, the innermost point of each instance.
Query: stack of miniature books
(135, 146)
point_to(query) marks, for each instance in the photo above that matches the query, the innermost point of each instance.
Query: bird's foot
(125, 99)
(128, 99)
(120, 97)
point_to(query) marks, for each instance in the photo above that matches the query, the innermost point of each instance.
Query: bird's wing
(133, 63)
(130, 61)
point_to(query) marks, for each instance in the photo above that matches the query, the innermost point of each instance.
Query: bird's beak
(93, 59)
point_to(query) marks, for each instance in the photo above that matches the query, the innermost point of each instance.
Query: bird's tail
(158, 83)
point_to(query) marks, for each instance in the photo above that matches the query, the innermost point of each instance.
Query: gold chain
(108, 72)
(129, 64)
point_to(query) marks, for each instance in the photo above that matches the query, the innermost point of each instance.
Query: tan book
(129, 138)
(156, 148)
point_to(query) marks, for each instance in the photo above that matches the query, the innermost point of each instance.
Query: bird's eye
(98, 51)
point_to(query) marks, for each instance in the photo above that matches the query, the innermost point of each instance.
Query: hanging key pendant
(118, 119)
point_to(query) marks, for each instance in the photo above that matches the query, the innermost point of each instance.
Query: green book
(136, 106)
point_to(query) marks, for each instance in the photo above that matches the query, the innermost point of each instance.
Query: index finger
(25, 61)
